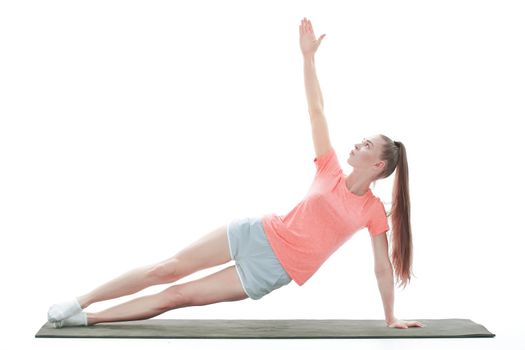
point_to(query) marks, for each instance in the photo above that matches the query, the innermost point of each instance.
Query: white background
(131, 128)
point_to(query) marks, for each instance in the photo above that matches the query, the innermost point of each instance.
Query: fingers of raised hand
(306, 26)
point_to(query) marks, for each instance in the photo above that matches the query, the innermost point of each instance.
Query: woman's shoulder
(374, 202)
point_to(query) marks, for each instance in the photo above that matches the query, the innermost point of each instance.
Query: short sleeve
(327, 162)
(378, 222)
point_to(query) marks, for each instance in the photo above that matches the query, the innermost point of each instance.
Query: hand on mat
(309, 43)
(405, 324)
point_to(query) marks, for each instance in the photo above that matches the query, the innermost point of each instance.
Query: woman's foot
(79, 319)
(63, 310)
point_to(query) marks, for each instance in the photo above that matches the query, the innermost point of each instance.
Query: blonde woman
(272, 250)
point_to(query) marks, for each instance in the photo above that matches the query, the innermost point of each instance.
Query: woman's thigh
(223, 285)
(209, 250)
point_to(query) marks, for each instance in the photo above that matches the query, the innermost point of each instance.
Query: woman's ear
(381, 165)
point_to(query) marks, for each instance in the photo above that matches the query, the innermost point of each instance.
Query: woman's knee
(166, 271)
(173, 297)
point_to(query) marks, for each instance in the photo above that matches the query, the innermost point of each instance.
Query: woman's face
(367, 152)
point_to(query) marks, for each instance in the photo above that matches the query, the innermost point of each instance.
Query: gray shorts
(257, 266)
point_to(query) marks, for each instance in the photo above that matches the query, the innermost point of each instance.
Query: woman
(272, 250)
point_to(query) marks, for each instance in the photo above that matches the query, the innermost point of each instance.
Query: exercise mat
(278, 328)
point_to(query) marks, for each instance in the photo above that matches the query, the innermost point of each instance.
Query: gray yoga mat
(289, 328)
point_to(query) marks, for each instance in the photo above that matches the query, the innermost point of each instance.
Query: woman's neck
(357, 184)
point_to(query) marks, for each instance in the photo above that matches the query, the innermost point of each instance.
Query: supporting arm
(385, 282)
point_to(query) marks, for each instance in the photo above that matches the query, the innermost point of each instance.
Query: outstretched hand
(307, 40)
(405, 324)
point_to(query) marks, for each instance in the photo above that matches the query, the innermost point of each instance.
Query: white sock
(79, 319)
(63, 310)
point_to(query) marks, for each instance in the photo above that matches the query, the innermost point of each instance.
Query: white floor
(503, 342)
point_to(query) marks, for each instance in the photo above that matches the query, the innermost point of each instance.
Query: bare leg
(210, 250)
(128, 283)
(223, 285)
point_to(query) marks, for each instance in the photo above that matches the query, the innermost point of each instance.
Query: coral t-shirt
(326, 218)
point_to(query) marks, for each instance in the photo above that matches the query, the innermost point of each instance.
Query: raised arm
(311, 84)
(309, 45)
